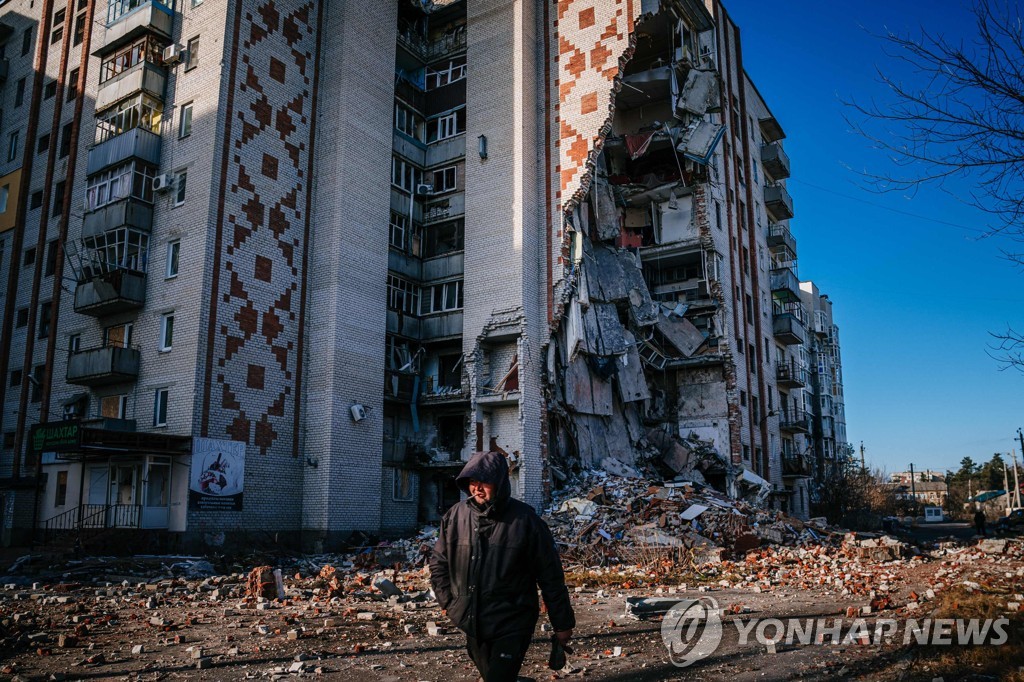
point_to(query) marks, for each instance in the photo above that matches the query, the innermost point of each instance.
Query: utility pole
(1016, 481)
(1006, 487)
(862, 467)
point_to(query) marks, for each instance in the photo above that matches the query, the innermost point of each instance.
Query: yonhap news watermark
(693, 629)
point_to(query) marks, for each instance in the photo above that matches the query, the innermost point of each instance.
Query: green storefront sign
(55, 437)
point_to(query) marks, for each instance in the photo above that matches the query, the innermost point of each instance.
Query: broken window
(114, 406)
(145, 50)
(449, 371)
(403, 295)
(128, 180)
(408, 122)
(446, 73)
(446, 126)
(402, 491)
(404, 175)
(445, 179)
(444, 238)
(398, 231)
(441, 298)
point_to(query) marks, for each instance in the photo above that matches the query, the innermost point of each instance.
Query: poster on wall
(218, 468)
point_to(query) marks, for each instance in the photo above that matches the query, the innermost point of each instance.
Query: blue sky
(914, 298)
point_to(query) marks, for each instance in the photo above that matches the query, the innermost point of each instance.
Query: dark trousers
(499, 660)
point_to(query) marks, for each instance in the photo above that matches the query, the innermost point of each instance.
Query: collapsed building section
(640, 367)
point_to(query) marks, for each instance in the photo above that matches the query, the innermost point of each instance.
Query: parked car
(1012, 521)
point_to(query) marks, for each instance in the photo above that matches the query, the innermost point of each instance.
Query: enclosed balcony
(125, 213)
(794, 421)
(110, 293)
(774, 160)
(787, 329)
(102, 366)
(778, 203)
(795, 466)
(785, 284)
(137, 143)
(143, 77)
(128, 20)
(780, 238)
(790, 375)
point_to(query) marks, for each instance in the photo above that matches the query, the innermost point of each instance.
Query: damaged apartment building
(273, 269)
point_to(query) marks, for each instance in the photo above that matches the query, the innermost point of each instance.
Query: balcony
(137, 143)
(125, 213)
(795, 466)
(104, 365)
(110, 293)
(429, 51)
(790, 375)
(794, 421)
(130, 19)
(787, 329)
(441, 326)
(778, 203)
(771, 130)
(143, 77)
(779, 235)
(785, 284)
(775, 161)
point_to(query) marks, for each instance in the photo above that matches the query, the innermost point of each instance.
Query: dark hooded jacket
(489, 561)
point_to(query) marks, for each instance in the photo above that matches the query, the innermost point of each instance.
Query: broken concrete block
(365, 615)
(432, 629)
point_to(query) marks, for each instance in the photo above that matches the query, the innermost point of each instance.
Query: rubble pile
(603, 520)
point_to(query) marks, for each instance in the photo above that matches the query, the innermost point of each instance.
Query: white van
(933, 515)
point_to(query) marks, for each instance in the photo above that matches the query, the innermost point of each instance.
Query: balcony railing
(427, 50)
(794, 421)
(111, 292)
(104, 365)
(779, 235)
(774, 160)
(143, 77)
(795, 465)
(137, 143)
(785, 284)
(778, 203)
(89, 519)
(790, 375)
(787, 329)
(128, 20)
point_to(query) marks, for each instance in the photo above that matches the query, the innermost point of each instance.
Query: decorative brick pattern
(257, 336)
(593, 37)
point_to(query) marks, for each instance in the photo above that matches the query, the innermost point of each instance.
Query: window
(65, 139)
(179, 187)
(750, 308)
(743, 398)
(441, 298)
(116, 249)
(51, 257)
(442, 238)
(141, 111)
(114, 406)
(26, 41)
(44, 320)
(398, 230)
(118, 336)
(62, 489)
(58, 197)
(49, 90)
(12, 145)
(19, 92)
(402, 490)
(8, 440)
(192, 58)
(79, 29)
(5, 193)
(746, 453)
(30, 256)
(403, 295)
(173, 251)
(160, 407)
(35, 199)
(755, 408)
(454, 70)
(408, 122)
(57, 35)
(167, 332)
(37, 383)
(72, 84)
(15, 378)
(185, 122)
(128, 180)
(146, 49)
(445, 179)
(449, 125)
(196, 3)
(59, 16)
(404, 175)
(43, 144)
(21, 320)
(74, 343)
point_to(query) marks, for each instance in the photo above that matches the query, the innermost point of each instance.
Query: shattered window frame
(442, 298)
(445, 179)
(403, 295)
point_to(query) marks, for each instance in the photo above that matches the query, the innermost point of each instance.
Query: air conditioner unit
(172, 54)
(163, 183)
(424, 188)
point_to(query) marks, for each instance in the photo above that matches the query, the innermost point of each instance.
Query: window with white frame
(160, 407)
(446, 126)
(127, 180)
(166, 331)
(173, 254)
(180, 181)
(403, 295)
(121, 249)
(404, 175)
(185, 120)
(141, 111)
(114, 406)
(408, 122)
(445, 179)
(398, 230)
(12, 145)
(441, 298)
(446, 73)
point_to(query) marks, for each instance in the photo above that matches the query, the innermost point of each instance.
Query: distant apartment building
(274, 269)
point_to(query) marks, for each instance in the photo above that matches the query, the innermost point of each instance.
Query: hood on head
(488, 467)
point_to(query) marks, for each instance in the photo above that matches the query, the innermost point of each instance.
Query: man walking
(979, 522)
(491, 555)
